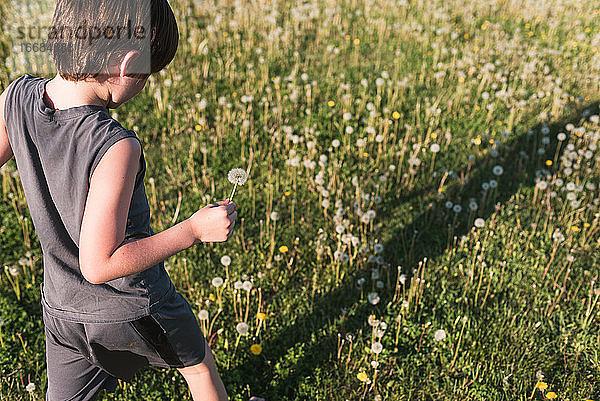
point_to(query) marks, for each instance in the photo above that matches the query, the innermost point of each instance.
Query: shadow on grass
(425, 236)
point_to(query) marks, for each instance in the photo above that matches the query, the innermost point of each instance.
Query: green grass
(513, 302)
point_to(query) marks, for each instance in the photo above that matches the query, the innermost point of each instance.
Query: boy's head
(105, 38)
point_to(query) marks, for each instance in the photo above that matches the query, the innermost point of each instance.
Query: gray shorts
(83, 358)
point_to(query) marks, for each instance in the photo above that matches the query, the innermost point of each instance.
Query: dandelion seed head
(237, 176)
(203, 314)
(242, 328)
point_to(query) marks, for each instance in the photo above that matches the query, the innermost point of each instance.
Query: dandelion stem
(233, 192)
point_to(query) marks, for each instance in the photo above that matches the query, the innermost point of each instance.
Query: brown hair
(86, 34)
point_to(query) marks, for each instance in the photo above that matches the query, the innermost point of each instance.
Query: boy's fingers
(230, 207)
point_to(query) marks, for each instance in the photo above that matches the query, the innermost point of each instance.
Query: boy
(109, 307)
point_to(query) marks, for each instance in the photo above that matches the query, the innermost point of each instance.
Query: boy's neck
(61, 94)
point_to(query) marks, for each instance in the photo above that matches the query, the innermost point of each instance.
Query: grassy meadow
(421, 219)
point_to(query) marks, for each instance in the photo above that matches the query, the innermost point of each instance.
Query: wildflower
(434, 148)
(497, 170)
(396, 115)
(225, 260)
(331, 103)
(203, 314)
(541, 385)
(402, 279)
(479, 222)
(256, 349)
(236, 176)
(247, 285)
(362, 376)
(373, 298)
(242, 328)
(261, 316)
(361, 281)
(217, 282)
(377, 347)
(439, 335)
(283, 249)
(274, 216)
(373, 321)
(238, 285)
(378, 248)
(335, 143)
(212, 297)
(551, 395)
(30, 388)
(198, 127)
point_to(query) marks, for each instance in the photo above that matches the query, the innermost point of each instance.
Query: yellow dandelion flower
(530, 33)
(287, 193)
(362, 376)
(234, 94)
(551, 395)
(477, 140)
(466, 36)
(365, 154)
(574, 44)
(461, 79)
(212, 297)
(347, 37)
(492, 141)
(586, 225)
(356, 41)
(261, 315)
(588, 30)
(477, 108)
(484, 27)
(331, 103)
(396, 115)
(548, 162)
(434, 135)
(575, 228)
(541, 385)
(197, 127)
(256, 349)
(283, 249)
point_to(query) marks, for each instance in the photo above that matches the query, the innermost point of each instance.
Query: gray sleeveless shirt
(56, 152)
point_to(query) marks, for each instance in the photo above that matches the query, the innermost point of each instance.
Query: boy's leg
(204, 380)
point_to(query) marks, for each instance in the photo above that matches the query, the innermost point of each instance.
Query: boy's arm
(103, 256)
(5, 149)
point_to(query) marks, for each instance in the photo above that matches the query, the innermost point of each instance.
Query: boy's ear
(127, 66)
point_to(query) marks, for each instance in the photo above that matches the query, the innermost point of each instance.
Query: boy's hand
(214, 222)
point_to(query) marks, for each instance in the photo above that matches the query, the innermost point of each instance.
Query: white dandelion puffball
(30, 388)
(497, 170)
(225, 260)
(203, 314)
(247, 285)
(242, 328)
(373, 298)
(237, 176)
(434, 148)
(217, 282)
(274, 216)
(479, 222)
(377, 347)
(439, 335)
